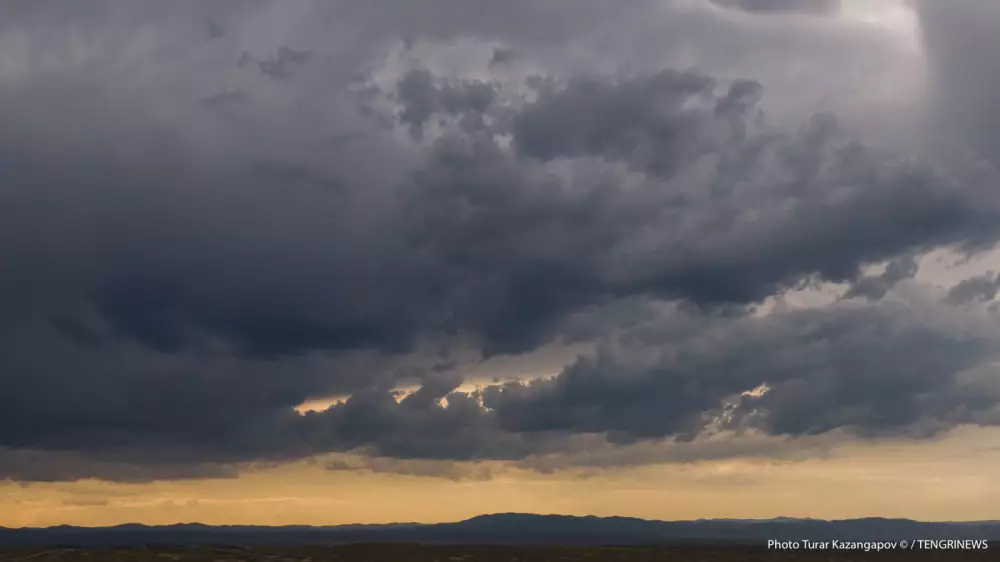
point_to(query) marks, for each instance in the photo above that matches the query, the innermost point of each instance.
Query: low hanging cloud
(871, 370)
(203, 235)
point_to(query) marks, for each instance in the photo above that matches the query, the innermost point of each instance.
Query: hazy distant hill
(508, 528)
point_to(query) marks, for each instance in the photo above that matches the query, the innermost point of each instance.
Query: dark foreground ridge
(512, 529)
(474, 553)
(471, 553)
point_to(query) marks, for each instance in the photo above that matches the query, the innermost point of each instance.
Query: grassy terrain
(451, 553)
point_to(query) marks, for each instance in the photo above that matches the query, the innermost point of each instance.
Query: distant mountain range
(509, 528)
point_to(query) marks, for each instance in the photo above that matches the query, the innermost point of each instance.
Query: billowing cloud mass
(212, 214)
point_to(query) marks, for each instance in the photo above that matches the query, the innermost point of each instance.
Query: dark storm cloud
(646, 117)
(870, 370)
(181, 279)
(862, 369)
(876, 286)
(726, 215)
(421, 97)
(982, 288)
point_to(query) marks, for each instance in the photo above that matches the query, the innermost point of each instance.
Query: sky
(360, 261)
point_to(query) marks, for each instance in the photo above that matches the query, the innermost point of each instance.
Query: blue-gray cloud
(195, 246)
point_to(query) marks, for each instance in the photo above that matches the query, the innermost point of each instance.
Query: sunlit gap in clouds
(545, 363)
(399, 393)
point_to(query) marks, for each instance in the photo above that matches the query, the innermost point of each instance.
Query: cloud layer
(208, 220)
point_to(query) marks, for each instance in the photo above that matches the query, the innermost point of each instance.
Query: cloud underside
(192, 259)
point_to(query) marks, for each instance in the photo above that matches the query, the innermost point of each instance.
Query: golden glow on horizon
(950, 479)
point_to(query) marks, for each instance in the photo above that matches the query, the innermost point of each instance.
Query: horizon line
(778, 519)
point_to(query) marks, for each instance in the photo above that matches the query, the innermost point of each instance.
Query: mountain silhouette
(509, 528)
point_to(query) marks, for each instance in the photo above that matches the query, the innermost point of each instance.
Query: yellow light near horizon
(945, 479)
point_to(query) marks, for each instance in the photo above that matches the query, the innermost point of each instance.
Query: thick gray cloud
(856, 368)
(421, 98)
(876, 286)
(871, 370)
(516, 244)
(204, 231)
(982, 288)
(770, 6)
(964, 71)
